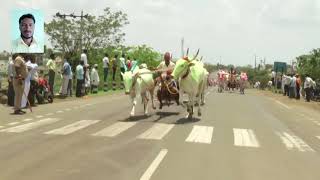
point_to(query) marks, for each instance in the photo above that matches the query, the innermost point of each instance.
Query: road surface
(238, 137)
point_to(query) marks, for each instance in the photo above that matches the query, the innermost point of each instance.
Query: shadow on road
(165, 114)
(136, 118)
(187, 120)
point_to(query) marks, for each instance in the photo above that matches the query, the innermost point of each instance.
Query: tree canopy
(92, 32)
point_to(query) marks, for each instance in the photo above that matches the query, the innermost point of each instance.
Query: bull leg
(152, 98)
(190, 106)
(145, 104)
(160, 98)
(134, 102)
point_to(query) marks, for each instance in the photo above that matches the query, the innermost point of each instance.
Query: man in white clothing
(95, 80)
(84, 57)
(105, 62)
(308, 84)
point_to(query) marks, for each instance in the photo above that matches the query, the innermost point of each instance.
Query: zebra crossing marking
(13, 123)
(72, 127)
(49, 114)
(200, 134)
(29, 126)
(115, 129)
(58, 112)
(318, 137)
(39, 116)
(156, 132)
(1, 127)
(26, 120)
(245, 137)
(294, 142)
(154, 165)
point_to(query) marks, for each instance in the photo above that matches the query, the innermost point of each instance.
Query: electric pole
(58, 14)
(182, 46)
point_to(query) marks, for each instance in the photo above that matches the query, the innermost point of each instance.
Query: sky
(227, 31)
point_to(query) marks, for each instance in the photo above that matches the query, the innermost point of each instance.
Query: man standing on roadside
(298, 86)
(105, 62)
(308, 83)
(84, 57)
(95, 80)
(10, 82)
(51, 65)
(80, 78)
(65, 77)
(20, 73)
(33, 80)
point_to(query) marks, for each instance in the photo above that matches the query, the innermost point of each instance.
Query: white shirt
(19, 46)
(308, 83)
(84, 58)
(95, 77)
(122, 62)
(33, 71)
(163, 65)
(105, 62)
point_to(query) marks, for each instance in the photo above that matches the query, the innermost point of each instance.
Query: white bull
(192, 81)
(139, 82)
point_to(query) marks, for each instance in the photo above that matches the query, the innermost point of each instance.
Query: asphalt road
(238, 137)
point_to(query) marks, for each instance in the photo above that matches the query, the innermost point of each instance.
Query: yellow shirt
(19, 46)
(51, 64)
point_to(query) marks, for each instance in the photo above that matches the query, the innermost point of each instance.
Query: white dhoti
(64, 85)
(26, 92)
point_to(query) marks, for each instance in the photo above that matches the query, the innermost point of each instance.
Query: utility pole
(255, 62)
(182, 47)
(58, 14)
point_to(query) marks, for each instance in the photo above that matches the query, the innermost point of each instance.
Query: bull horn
(187, 52)
(196, 54)
(134, 66)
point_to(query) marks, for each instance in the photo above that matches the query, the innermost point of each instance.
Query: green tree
(309, 64)
(92, 32)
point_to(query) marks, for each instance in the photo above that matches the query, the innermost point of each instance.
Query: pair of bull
(190, 73)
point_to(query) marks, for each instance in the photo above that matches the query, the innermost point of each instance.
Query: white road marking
(13, 123)
(39, 116)
(305, 116)
(318, 137)
(293, 142)
(26, 120)
(154, 165)
(282, 104)
(200, 134)
(1, 126)
(59, 112)
(29, 126)
(115, 129)
(157, 131)
(49, 114)
(68, 109)
(72, 127)
(245, 137)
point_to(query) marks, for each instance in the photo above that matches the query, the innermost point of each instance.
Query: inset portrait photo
(27, 31)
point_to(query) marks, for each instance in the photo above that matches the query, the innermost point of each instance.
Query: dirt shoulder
(288, 101)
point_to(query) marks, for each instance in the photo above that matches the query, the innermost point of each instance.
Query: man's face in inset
(27, 28)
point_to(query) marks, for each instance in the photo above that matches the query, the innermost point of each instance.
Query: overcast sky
(231, 30)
